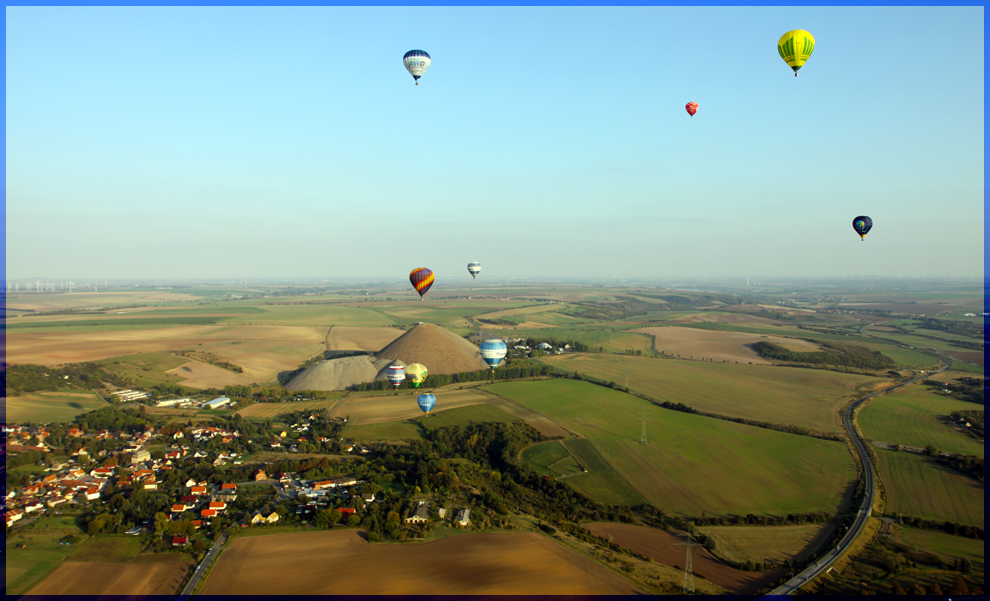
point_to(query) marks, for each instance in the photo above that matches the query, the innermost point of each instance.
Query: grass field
(323, 315)
(444, 313)
(272, 410)
(381, 407)
(692, 463)
(764, 543)
(802, 397)
(904, 357)
(918, 486)
(918, 341)
(108, 549)
(947, 545)
(909, 415)
(146, 369)
(602, 481)
(720, 346)
(41, 554)
(550, 459)
(44, 407)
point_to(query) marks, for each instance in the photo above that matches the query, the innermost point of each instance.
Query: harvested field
(83, 578)
(44, 407)
(974, 357)
(768, 543)
(469, 564)
(203, 376)
(389, 407)
(662, 546)
(362, 339)
(266, 410)
(719, 345)
(724, 318)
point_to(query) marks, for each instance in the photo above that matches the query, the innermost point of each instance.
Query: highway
(866, 508)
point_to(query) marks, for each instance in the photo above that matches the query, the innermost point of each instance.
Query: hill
(440, 350)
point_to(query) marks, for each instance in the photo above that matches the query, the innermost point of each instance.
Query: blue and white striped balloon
(493, 351)
(416, 62)
(474, 268)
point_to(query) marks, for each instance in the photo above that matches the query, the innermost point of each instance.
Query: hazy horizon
(226, 143)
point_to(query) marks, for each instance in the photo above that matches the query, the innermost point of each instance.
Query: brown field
(719, 345)
(763, 543)
(974, 357)
(387, 407)
(87, 300)
(506, 563)
(263, 351)
(362, 339)
(663, 546)
(203, 376)
(78, 578)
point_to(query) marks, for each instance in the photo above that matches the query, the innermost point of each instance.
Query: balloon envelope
(691, 108)
(416, 374)
(493, 351)
(795, 48)
(862, 225)
(396, 373)
(426, 402)
(416, 62)
(422, 279)
(474, 269)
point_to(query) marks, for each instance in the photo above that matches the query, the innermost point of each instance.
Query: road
(866, 508)
(202, 567)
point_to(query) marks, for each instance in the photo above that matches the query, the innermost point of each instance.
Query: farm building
(178, 541)
(419, 516)
(463, 517)
(216, 403)
(173, 402)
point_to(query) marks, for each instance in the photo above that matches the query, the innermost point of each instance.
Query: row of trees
(836, 354)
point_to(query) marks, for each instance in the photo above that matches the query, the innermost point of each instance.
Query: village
(182, 486)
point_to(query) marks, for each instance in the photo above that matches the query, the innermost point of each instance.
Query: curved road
(866, 508)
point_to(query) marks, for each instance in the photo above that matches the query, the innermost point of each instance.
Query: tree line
(836, 354)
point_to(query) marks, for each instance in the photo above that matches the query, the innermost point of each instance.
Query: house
(13, 515)
(261, 475)
(74, 432)
(190, 483)
(136, 530)
(197, 491)
(231, 486)
(188, 500)
(442, 512)
(197, 524)
(150, 484)
(218, 506)
(368, 498)
(208, 513)
(102, 472)
(346, 510)
(463, 517)
(257, 518)
(272, 518)
(178, 435)
(419, 516)
(91, 493)
(140, 457)
(178, 541)
(180, 507)
(33, 505)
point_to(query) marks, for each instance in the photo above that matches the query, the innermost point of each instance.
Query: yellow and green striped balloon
(795, 47)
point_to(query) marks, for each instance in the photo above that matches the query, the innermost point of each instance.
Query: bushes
(836, 354)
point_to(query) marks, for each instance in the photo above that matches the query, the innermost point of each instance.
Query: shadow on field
(75, 405)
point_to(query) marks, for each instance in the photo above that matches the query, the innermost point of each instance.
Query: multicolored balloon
(426, 402)
(396, 373)
(474, 268)
(795, 47)
(493, 351)
(862, 225)
(421, 278)
(691, 108)
(416, 374)
(416, 62)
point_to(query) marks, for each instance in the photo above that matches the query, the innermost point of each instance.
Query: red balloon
(691, 108)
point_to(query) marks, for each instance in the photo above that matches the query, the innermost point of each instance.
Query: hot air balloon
(691, 108)
(396, 373)
(416, 62)
(474, 268)
(416, 374)
(795, 48)
(862, 225)
(426, 402)
(493, 351)
(421, 278)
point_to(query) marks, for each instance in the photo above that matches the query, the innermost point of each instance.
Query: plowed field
(343, 563)
(78, 578)
(663, 547)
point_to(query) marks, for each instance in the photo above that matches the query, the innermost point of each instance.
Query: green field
(403, 430)
(109, 548)
(324, 315)
(948, 545)
(692, 463)
(918, 486)
(444, 313)
(919, 341)
(909, 415)
(904, 357)
(44, 407)
(601, 482)
(146, 369)
(550, 459)
(810, 398)
(41, 554)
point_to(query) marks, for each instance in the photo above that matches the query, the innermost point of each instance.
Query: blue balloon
(426, 402)
(493, 351)
(862, 225)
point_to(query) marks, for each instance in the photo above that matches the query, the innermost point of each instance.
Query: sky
(242, 142)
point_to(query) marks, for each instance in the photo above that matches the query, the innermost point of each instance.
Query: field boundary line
(562, 427)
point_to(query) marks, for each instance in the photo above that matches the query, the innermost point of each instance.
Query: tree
(335, 517)
(959, 587)
(897, 589)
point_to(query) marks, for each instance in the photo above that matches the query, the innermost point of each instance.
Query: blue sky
(543, 141)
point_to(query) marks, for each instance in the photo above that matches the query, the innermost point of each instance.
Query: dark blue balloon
(862, 225)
